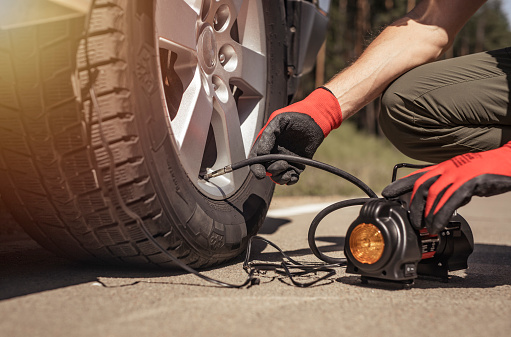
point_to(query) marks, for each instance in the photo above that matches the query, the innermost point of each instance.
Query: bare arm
(420, 37)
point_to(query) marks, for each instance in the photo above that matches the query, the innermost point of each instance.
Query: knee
(398, 105)
(398, 120)
(391, 112)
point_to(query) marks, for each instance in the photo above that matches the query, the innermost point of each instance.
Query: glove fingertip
(258, 170)
(389, 191)
(434, 225)
(416, 221)
(293, 180)
(436, 222)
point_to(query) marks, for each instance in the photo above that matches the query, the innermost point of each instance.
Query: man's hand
(297, 129)
(437, 191)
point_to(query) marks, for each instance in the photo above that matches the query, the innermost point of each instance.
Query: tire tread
(73, 176)
(51, 167)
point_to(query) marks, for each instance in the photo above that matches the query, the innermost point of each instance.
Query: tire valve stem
(219, 172)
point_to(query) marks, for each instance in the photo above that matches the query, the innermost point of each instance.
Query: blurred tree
(487, 30)
(355, 23)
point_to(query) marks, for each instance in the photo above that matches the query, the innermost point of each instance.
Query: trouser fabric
(450, 107)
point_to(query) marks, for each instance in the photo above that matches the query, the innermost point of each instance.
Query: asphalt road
(42, 295)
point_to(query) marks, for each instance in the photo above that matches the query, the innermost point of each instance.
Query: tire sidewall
(225, 224)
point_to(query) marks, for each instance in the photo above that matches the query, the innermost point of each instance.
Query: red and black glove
(437, 191)
(297, 129)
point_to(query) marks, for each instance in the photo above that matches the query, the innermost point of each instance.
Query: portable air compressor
(381, 244)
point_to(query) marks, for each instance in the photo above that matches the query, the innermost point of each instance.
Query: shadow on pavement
(336, 246)
(489, 266)
(271, 225)
(26, 268)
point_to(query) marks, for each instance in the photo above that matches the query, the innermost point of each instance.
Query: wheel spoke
(226, 124)
(191, 125)
(176, 24)
(250, 122)
(235, 6)
(251, 65)
(252, 37)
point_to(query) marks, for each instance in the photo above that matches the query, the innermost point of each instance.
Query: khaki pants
(450, 107)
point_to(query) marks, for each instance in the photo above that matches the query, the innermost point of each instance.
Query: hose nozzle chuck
(218, 172)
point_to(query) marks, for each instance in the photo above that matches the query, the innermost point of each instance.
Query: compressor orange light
(367, 243)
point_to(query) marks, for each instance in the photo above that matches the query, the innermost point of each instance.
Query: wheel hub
(207, 50)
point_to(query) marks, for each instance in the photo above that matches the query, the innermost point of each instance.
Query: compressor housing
(381, 244)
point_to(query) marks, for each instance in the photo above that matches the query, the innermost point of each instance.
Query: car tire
(92, 162)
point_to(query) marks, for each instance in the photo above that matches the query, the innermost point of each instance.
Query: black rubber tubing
(319, 217)
(309, 162)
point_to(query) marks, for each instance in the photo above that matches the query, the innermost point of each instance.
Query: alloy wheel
(212, 56)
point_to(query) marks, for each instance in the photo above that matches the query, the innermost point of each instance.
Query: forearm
(420, 37)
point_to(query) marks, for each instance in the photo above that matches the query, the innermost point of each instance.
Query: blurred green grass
(368, 157)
